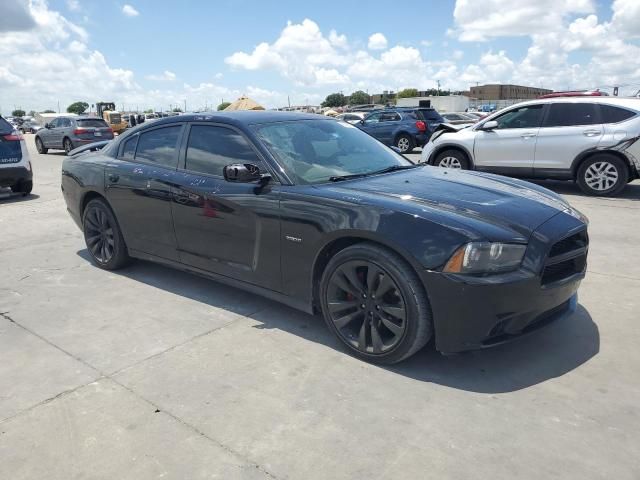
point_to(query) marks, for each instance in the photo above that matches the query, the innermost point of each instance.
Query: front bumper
(478, 312)
(10, 176)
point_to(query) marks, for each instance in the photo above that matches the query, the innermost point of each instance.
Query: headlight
(481, 257)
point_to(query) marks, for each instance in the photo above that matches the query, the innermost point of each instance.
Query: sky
(160, 54)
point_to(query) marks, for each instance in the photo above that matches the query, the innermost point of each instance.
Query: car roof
(629, 102)
(246, 117)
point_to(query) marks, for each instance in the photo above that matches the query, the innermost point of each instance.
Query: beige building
(506, 92)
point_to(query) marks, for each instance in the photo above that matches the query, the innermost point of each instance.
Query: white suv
(592, 140)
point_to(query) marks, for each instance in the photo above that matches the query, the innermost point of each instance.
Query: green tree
(32, 113)
(18, 113)
(177, 109)
(223, 105)
(359, 98)
(149, 110)
(48, 111)
(334, 100)
(408, 93)
(78, 107)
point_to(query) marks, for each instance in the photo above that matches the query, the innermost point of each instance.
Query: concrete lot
(153, 373)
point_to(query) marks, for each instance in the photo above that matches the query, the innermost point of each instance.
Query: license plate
(98, 134)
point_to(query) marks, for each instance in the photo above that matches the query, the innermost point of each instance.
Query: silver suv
(592, 140)
(67, 133)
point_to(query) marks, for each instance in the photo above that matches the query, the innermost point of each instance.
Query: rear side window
(160, 146)
(429, 115)
(389, 117)
(571, 114)
(92, 123)
(611, 114)
(211, 148)
(64, 122)
(129, 148)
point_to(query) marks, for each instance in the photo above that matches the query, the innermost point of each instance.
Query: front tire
(452, 159)
(40, 146)
(375, 304)
(405, 143)
(602, 175)
(23, 187)
(103, 237)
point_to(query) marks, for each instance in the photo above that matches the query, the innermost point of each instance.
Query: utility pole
(58, 106)
(185, 105)
(438, 88)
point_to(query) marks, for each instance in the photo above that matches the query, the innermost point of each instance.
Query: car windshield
(317, 151)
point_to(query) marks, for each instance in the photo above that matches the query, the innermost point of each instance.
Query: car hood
(477, 200)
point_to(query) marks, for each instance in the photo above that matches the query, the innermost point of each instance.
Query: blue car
(404, 128)
(15, 166)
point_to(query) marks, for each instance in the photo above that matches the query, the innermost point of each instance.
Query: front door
(389, 122)
(510, 148)
(139, 189)
(371, 125)
(232, 229)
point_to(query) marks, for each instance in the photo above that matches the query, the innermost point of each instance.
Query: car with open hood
(317, 214)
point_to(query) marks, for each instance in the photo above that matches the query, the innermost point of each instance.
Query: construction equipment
(107, 111)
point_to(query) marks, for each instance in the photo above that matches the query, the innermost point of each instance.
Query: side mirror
(47, 125)
(490, 125)
(243, 173)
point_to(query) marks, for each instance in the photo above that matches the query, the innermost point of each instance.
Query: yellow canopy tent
(244, 103)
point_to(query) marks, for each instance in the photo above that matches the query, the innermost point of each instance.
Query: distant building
(496, 91)
(442, 103)
(301, 108)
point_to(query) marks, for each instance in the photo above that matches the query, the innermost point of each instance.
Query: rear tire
(40, 146)
(374, 302)
(67, 145)
(452, 159)
(103, 237)
(23, 187)
(405, 143)
(603, 175)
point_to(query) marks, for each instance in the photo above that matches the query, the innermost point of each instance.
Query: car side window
(129, 148)
(159, 146)
(523, 117)
(571, 114)
(64, 122)
(389, 117)
(211, 148)
(611, 114)
(374, 118)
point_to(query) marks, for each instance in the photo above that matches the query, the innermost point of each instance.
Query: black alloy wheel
(375, 304)
(102, 236)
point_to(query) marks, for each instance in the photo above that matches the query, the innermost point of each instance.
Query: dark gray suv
(67, 133)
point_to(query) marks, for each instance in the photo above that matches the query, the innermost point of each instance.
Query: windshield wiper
(393, 168)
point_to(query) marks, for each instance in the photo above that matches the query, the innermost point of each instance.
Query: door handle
(528, 135)
(591, 133)
(113, 178)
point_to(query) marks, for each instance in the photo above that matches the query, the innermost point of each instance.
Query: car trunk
(93, 129)
(10, 150)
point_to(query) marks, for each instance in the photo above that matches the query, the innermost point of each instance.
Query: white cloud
(336, 40)
(426, 43)
(129, 11)
(165, 76)
(218, 75)
(73, 5)
(15, 16)
(377, 41)
(457, 54)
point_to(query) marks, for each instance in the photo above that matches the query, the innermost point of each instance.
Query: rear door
(232, 229)
(389, 124)
(57, 134)
(93, 129)
(139, 188)
(568, 130)
(510, 148)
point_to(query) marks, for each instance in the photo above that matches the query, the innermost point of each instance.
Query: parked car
(15, 165)
(476, 115)
(591, 139)
(352, 117)
(404, 128)
(30, 126)
(457, 119)
(316, 214)
(67, 133)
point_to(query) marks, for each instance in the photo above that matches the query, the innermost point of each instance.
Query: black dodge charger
(317, 214)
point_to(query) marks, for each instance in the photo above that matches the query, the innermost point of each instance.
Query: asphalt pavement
(153, 373)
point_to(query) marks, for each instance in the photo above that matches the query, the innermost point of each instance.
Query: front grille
(567, 257)
(115, 118)
(574, 242)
